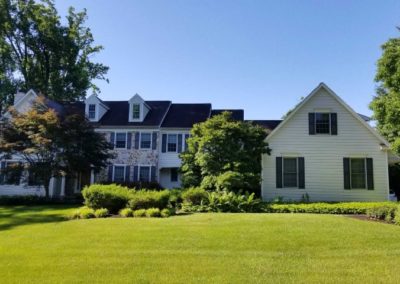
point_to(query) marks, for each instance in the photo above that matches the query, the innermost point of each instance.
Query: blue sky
(262, 56)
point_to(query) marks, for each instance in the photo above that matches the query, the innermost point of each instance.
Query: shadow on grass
(15, 216)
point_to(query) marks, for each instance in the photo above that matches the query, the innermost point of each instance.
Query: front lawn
(37, 245)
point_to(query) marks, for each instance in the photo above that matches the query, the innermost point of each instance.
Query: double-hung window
(120, 140)
(11, 173)
(357, 173)
(322, 123)
(136, 111)
(290, 172)
(119, 174)
(145, 140)
(92, 111)
(174, 174)
(144, 173)
(172, 143)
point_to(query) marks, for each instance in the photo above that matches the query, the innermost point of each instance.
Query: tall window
(174, 174)
(119, 173)
(357, 173)
(11, 174)
(172, 143)
(92, 111)
(322, 123)
(144, 173)
(136, 111)
(145, 140)
(290, 172)
(120, 140)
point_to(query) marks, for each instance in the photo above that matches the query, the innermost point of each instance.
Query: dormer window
(136, 111)
(92, 111)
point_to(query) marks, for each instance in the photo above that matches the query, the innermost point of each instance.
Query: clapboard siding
(324, 155)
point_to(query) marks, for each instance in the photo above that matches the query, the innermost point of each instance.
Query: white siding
(324, 154)
(165, 179)
(171, 160)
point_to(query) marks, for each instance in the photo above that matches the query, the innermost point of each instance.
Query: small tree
(224, 154)
(52, 145)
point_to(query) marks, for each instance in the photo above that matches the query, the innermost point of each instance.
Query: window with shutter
(290, 172)
(145, 140)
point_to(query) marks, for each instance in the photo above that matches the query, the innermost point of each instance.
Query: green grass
(38, 245)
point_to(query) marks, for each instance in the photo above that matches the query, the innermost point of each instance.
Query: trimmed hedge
(144, 199)
(112, 197)
(328, 208)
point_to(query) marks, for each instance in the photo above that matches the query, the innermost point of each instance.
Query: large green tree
(51, 144)
(38, 51)
(224, 154)
(386, 104)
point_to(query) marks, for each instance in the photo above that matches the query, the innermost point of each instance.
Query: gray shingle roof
(185, 115)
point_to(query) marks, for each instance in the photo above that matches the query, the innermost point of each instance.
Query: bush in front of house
(82, 213)
(194, 196)
(326, 208)
(112, 197)
(221, 201)
(139, 213)
(153, 212)
(101, 213)
(126, 212)
(167, 212)
(144, 199)
(151, 185)
(385, 212)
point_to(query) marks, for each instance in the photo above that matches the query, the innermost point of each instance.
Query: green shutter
(370, 174)
(301, 172)
(346, 173)
(278, 172)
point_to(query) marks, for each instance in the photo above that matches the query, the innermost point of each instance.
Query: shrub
(230, 181)
(396, 218)
(166, 212)
(194, 196)
(139, 213)
(86, 213)
(126, 212)
(144, 199)
(112, 197)
(101, 213)
(326, 208)
(153, 212)
(385, 212)
(152, 185)
(175, 197)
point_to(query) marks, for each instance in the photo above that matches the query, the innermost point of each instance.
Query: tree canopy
(386, 104)
(51, 144)
(38, 51)
(224, 154)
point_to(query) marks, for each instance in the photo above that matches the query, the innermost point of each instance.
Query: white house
(324, 150)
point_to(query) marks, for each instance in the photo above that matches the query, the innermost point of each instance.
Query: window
(120, 140)
(357, 173)
(11, 174)
(119, 173)
(136, 111)
(144, 173)
(174, 174)
(322, 123)
(289, 172)
(145, 140)
(92, 111)
(172, 143)
(33, 179)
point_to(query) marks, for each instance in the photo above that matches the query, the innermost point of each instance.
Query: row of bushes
(389, 213)
(88, 213)
(327, 208)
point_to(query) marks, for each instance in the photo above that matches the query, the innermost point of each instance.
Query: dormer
(138, 109)
(94, 108)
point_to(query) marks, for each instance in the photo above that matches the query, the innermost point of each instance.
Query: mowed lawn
(37, 245)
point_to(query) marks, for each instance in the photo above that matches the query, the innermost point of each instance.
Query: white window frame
(176, 143)
(95, 112)
(140, 140)
(315, 123)
(119, 165)
(133, 112)
(144, 166)
(126, 139)
(283, 172)
(365, 172)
